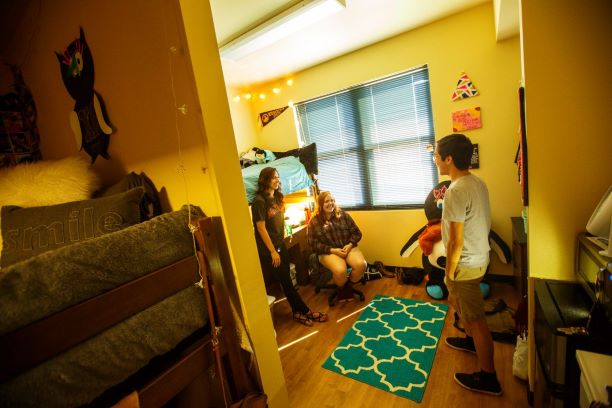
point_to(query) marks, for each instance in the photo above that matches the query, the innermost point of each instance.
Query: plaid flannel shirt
(333, 233)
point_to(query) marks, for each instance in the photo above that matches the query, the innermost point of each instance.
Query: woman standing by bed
(268, 210)
(333, 235)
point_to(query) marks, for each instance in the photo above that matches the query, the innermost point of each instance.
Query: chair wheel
(361, 297)
(331, 302)
(317, 289)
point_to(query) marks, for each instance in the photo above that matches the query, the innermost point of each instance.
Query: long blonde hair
(319, 208)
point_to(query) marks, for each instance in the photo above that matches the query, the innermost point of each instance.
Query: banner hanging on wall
(269, 116)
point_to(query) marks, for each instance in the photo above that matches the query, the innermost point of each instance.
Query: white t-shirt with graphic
(467, 201)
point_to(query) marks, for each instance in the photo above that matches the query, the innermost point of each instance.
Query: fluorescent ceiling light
(280, 26)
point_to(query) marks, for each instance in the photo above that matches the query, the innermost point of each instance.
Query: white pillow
(47, 183)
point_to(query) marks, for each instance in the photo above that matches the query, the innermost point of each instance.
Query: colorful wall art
(464, 89)
(466, 119)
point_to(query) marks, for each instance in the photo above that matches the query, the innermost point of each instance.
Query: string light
(276, 90)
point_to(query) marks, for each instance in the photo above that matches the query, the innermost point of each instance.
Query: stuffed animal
(429, 238)
(88, 120)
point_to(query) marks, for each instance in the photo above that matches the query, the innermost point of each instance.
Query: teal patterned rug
(392, 345)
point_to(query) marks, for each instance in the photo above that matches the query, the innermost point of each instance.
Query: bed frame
(156, 385)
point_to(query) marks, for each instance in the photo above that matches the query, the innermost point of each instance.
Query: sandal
(302, 318)
(317, 316)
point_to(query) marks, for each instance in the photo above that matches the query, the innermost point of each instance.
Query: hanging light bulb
(289, 82)
(237, 98)
(262, 96)
(248, 96)
(276, 90)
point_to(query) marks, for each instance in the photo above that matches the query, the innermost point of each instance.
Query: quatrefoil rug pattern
(392, 345)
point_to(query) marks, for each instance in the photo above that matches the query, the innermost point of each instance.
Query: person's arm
(453, 248)
(314, 241)
(355, 232)
(265, 237)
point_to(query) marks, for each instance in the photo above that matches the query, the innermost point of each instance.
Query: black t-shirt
(274, 216)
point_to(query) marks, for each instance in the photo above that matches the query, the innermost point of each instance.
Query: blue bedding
(292, 173)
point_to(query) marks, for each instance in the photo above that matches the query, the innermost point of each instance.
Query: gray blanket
(82, 373)
(55, 280)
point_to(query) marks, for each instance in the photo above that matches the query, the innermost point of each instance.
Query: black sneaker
(461, 343)
(480, 382)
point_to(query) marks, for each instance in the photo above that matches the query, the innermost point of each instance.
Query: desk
(297, 246)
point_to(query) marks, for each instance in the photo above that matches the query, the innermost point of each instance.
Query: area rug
(392, 345)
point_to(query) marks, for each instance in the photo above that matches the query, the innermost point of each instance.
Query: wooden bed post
(218, 269)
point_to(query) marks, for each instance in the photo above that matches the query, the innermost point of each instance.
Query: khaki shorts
(467, 295)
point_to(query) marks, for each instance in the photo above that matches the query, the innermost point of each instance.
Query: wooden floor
(304, 349)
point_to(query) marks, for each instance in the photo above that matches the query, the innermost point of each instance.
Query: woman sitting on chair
(333, 236)
(268, 212)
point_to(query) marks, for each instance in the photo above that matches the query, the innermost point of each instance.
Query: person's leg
(281, 273)
(471, 304)
(357, 263)
(337, 266)
(464, 343)
(483, 341)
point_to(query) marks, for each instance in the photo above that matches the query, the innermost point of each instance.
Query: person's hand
(347, 248)
(339, 252)
(275, 259)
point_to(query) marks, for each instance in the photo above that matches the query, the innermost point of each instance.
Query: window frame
(363, 153)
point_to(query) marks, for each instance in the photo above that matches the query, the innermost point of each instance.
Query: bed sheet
(292, 173)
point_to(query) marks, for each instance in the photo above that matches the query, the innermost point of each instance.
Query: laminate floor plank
(310, 385)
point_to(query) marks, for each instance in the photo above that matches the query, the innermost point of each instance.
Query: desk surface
(597, 371)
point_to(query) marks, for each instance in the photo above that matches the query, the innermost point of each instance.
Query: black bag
(410, 275)
(500, 319)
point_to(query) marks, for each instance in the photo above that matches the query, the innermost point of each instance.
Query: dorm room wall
(462, 42)
(135, 73)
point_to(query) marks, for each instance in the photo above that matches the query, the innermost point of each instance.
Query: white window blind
(372, 141)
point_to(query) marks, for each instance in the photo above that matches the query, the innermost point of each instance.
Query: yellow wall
(135, 74)
(232, 199)
(464, 42)
(132, 74)
(568, 133)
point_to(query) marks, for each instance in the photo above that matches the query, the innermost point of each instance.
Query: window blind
(372, 141)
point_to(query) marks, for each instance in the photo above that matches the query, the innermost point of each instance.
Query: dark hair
(457, 146)
(263, 184)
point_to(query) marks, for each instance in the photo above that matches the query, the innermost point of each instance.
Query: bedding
(50, 282)
(292, 173)
(27, 232)
(82, 373)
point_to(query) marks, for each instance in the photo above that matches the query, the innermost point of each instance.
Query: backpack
(500, 319)
(410, 275)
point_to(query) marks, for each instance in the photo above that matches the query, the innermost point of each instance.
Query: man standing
(466, 222)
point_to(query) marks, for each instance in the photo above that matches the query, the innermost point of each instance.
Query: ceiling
(361, 23)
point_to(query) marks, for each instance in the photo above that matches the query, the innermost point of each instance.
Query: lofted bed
(123, 316)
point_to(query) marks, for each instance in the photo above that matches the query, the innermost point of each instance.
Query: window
(371, 141)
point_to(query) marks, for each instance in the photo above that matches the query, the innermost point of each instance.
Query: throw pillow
(47, 182)
(27, 232)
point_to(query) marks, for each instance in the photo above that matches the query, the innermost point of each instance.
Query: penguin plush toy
(429, 239)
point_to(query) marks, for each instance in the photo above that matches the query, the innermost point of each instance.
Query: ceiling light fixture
(289, 21)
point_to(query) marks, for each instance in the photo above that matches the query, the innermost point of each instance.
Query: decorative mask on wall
(88, 121)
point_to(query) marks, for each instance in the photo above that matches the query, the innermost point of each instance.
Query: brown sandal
(302, 318)
(317, 316)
